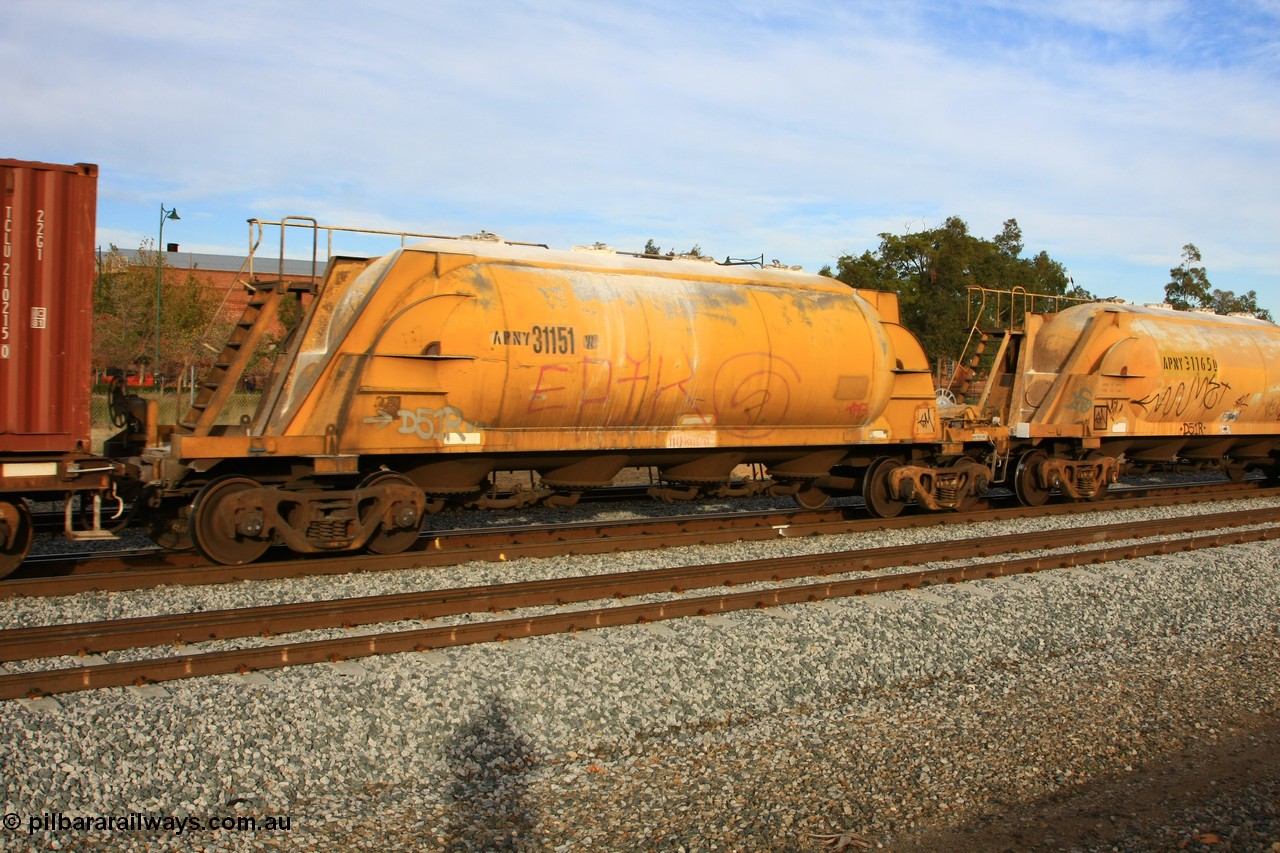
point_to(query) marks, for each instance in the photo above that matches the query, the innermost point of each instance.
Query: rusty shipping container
(46, 305)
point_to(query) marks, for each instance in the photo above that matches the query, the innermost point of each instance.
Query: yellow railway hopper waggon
(414, 377)
(1105, 385)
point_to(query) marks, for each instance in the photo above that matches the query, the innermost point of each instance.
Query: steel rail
(241, 660)
(446, 549)
(93, 637)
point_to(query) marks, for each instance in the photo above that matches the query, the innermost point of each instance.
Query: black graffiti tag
(1206, 391)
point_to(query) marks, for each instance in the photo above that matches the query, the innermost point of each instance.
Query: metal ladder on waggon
(262, 310)
(995, 319)
(260, 313)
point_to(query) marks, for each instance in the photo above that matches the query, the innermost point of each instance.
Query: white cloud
(1114, 131)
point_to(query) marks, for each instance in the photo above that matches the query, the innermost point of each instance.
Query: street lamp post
(164, 214)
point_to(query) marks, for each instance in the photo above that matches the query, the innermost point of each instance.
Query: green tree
(932, 271)
(652, 248)
(125, 314)
(1227, 302)
(1189, 288)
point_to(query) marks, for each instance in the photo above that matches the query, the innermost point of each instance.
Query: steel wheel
(395, 540)
(1025, 484)
(1101, 491)
(970, 498)
(218, 530)
(810, 496)
(875, 489)
(169, 526)
(17, 530)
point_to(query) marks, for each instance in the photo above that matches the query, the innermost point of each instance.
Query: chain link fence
(174, 402)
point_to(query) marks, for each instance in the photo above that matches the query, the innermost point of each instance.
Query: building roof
(230, 263)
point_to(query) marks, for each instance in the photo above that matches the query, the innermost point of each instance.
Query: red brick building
(227, 277)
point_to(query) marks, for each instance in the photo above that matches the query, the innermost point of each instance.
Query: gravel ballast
(1086, 709)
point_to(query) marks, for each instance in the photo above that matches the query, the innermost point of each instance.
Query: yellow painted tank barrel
(446, 343)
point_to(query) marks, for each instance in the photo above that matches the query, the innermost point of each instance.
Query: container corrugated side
(48, 213)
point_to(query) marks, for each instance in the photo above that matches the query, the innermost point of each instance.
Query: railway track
(993, 559)
(148, 569)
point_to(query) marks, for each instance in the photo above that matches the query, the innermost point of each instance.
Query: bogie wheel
(1101, 491)
(169, 526)
(216, 528)
(395, 540)
(810, 496)
(1025, 484)
(16, 534)
(970, 498)
(875, 489)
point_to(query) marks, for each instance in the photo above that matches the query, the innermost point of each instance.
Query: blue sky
(1114, 132)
